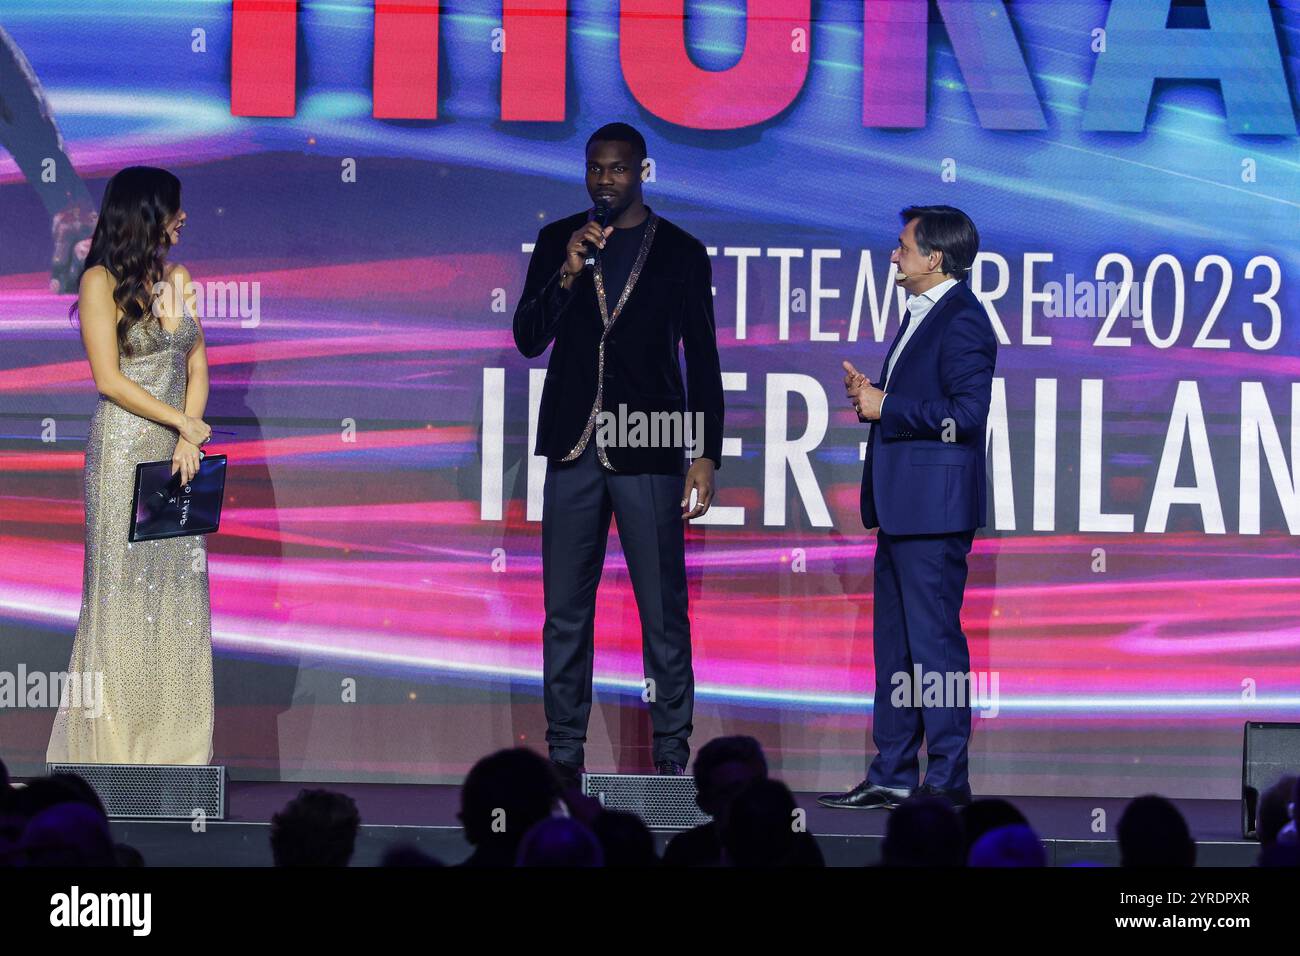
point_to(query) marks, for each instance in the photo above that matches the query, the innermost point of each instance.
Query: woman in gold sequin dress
(144, 637)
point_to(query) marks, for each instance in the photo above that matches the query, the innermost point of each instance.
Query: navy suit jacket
(924, 468)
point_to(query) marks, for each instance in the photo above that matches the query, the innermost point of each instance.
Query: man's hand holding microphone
(584, 239)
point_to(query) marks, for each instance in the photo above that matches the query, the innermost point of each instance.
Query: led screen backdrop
(363, 186)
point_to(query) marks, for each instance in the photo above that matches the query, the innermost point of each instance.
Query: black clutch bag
(162, 508)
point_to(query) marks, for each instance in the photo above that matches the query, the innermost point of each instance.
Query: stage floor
(425, 816)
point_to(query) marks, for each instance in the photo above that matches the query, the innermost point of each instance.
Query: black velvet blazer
(670, 306)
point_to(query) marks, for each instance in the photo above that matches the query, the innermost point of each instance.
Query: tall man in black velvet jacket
(618, 301)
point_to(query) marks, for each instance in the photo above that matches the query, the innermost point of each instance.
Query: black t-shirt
(617, 259)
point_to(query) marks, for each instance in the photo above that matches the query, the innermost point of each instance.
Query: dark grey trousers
(579, 498)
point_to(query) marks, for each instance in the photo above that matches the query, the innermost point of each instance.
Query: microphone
(904, 276)
(601, 217)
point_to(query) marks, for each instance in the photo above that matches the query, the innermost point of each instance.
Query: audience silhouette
(924, 831)
(723, 768)
(1153, 833)
(515, 811)
(316, 828)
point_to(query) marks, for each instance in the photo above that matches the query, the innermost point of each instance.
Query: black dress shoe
(958, 798)
(866, 796)
(669, 768)
(570, 774)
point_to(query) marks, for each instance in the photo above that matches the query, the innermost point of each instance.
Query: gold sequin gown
(145, 622)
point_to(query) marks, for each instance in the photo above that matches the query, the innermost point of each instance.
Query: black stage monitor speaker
(159, 791)
(1271, 750)
(662, 802)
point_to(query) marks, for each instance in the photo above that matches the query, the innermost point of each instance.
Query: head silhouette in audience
(559, 841)
(723, 767)
(1153, 833)
(57, 820)
(1014, 845)
(44, 792)
(505, 795)
(988, 813)
(624, 838)
(765, 828)
(316, 828)
(1274, 810)
(68, 834)
(1288, 835)
(924, 831)
(1284, 847)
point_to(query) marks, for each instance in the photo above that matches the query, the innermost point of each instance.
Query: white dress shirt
(918, 306)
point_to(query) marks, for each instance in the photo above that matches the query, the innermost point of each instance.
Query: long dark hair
(130, 240)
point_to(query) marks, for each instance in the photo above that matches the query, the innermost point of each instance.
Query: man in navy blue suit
(923, 486)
